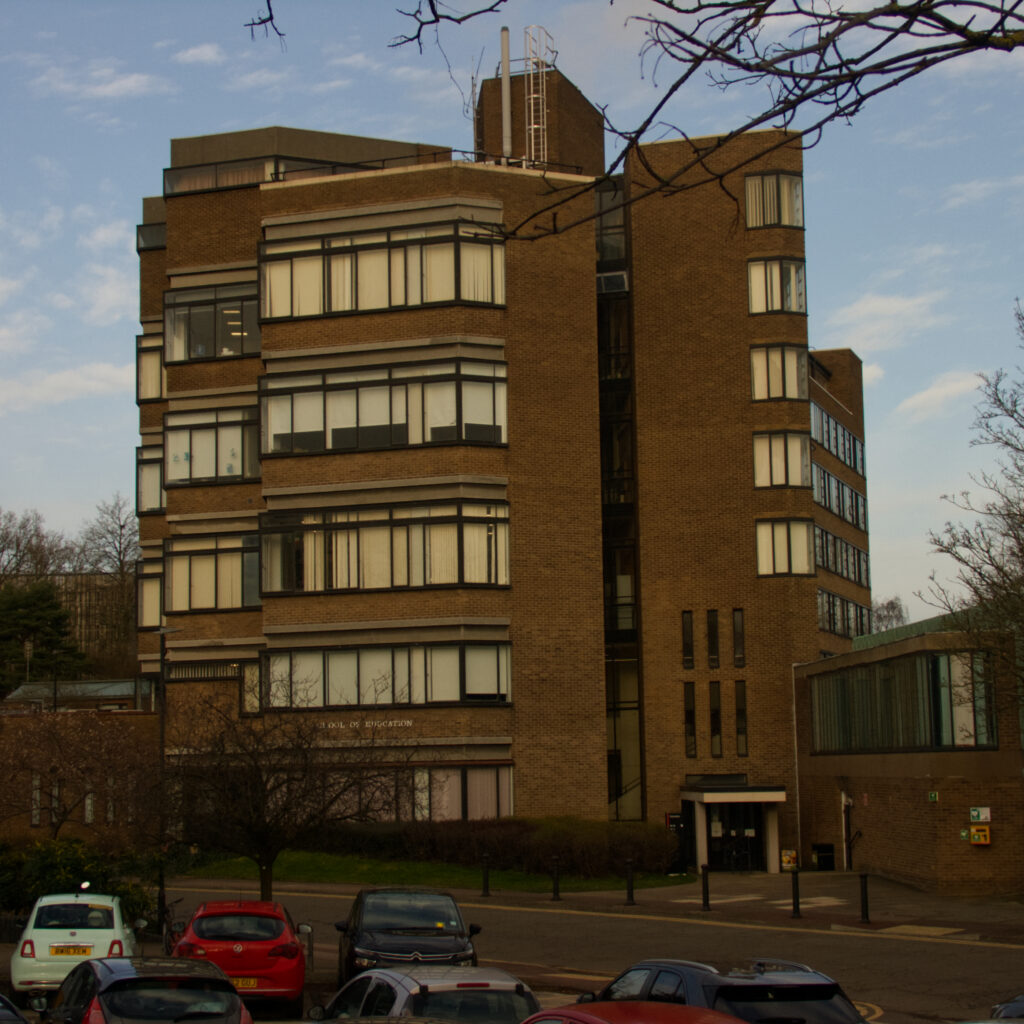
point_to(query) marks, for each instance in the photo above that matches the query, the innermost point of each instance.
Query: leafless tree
(257, 785)
(887, 613)
(28, 551)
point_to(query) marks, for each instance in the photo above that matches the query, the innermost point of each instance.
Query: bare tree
(28, 551)
(256, 786)
(887, 613)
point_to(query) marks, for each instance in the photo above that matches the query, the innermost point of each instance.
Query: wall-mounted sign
(981, 814)
(933, 797)
(980, 835)
(965, 834)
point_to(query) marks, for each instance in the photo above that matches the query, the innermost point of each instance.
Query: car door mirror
(342, 926)
(304, 929)
(475, 929)
(139, 923)
(586, 997)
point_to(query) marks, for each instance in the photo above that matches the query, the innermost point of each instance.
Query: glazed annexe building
(563, 513)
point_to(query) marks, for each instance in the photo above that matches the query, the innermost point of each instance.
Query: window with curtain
(210, 445)
(778, 371)
(211, 573)
(784, 547)
(776, 286)
(774, 199)
(782, 460)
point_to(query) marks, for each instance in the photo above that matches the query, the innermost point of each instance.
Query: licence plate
(244, 982)
(70, 950)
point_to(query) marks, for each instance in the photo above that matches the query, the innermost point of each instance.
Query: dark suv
(759, 991)
(403, 927)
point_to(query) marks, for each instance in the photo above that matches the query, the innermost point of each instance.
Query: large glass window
(778, 371)
(463, 793)
(385, 407)
(777, 286)
(149, 479)
(775, 199)
(206, 573)
(784, 547)
(839, 440)
(374, 270)
(923, 701)
(364, 676)
(211, 323)
(385, 548)
(840, 498)
(149, 379)
(842, 616)
(782, 460)
(211, 445)
(841, 557)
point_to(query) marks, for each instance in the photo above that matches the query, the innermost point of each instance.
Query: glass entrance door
(735, 837)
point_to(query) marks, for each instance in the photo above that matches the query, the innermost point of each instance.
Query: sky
(914, 216)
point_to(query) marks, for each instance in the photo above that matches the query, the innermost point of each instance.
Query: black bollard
(864, 899)
(705, 899)
(486, 890)
(630, 902)
(554, 878)
(796, 892)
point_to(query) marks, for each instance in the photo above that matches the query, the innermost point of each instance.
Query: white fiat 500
(63, 930)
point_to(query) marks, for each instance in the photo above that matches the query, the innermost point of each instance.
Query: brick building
(561, 515)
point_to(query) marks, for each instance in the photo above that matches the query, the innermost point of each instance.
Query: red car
(254, 943)
(630, 1013)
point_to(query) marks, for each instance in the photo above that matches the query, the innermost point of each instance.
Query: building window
(782, 460)
(841, 557)
(211, 323)
(687, 639)
(207, 573)
(149, 380)
(839, 498)
(385, 407)
(778, 371)
(740, 692)
(386, 269)
(385, 548)
(739, 639)
(841, 442)
(784, 547)
(775, 199)
(690, 719)
(776, 286)
(712, 621)
(466, 793)
(211, 445)
(842, 616)
(922, 701)
(149, 479)
(715, 717)
(366, 676)
(149, 581)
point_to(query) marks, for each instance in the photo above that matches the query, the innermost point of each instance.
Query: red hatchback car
(254, 943)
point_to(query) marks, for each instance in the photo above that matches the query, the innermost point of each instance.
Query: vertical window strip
(690, 719)
(712, 636)
(740, 693)
(715, 717)
(687, 639)
(739, 639)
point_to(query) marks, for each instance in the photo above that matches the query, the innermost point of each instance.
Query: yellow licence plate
(70, 950)
(244, 982)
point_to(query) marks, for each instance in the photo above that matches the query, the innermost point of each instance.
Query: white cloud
(116, 234)
(980, 189)
(101, 81)
(331, 86)
(205, 53)
(108, 294)
(877, 322)
(261, 79)
(872, 373)
(356, 61)
(38, 388)
(20, 331)
(934, 400)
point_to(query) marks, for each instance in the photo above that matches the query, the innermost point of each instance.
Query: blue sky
(914, 212)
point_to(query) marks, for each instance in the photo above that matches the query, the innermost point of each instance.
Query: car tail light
(28, 948)
(189, 949)
(94, 1015)
(116, 949)
(289, 950)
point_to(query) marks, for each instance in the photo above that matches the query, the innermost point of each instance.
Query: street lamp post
(161, 710)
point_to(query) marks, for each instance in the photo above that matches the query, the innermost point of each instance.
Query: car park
(759, 990)
(63, 930)
(469, 995)
(400, 926)
(145, 990)
(255, 943)
(624, 1012)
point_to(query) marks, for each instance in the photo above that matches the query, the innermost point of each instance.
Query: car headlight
(464, 958)
(364, 958)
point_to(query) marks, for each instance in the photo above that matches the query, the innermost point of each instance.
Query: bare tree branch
(266, 22)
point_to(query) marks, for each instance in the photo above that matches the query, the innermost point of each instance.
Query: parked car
(145, 990)
(9, 1013)
(398, 926)
(624, 1012)
(63, 930)
(470, 995)
(1010, 1008)
(758, 991)
(255, 943)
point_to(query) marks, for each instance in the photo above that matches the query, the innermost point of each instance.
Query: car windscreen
(413, 912)
(75, 915)
(786, 1004)
(172, 999)
(238, 927)
(475, 1006)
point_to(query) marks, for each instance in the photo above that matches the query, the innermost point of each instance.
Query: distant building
(562, 514)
